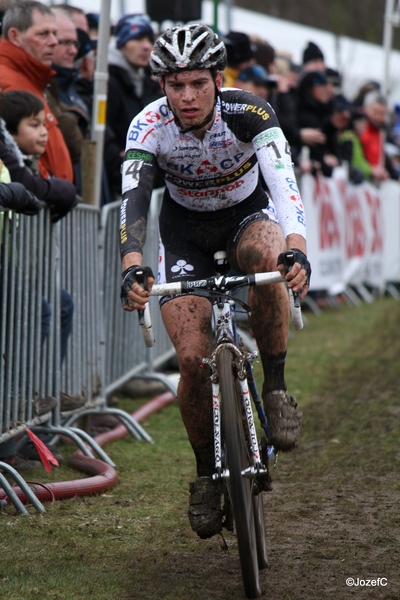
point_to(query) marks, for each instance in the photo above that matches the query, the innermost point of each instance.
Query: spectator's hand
(14, 196)
(32, 206)
(331, 160)
(58, 212)
(380, 173)
(310, 136)
(283, 83)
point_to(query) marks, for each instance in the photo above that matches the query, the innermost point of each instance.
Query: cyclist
(211, 145)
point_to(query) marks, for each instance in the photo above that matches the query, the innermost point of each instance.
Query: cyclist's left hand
(296, 269)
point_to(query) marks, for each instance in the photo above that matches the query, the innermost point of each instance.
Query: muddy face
(191, 95)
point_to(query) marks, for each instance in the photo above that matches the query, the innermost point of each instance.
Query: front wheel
(240, 488)
(261, 534)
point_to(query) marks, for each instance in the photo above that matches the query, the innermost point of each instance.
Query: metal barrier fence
(29, 368)
(79, 254)
(81, 273)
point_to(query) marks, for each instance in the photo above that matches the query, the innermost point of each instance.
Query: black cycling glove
(289, 257)
(132, 275)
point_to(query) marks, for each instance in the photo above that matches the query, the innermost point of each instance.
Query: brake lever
(141, 280)
(288, 263)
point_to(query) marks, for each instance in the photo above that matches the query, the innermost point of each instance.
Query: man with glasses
(69, 108)
(26, 54)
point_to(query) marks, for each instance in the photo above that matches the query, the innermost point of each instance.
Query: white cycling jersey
(222, 169)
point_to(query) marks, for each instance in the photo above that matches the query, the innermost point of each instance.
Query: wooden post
(88, 165)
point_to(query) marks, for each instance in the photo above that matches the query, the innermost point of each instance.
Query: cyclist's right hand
(137, 281)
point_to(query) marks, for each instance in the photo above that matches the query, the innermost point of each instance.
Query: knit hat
(238, 47)
(341, 104)
(312, 78)
(312, 52)
(85, 44)
(333, 76)
(131, 27)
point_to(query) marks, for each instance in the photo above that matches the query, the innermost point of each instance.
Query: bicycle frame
(223, 310)
(223, 307)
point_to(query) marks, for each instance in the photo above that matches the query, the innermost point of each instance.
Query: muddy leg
(188, 323)
(258, 250)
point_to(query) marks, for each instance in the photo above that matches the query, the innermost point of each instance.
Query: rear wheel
(240, 488)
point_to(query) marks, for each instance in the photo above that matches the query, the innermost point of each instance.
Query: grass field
(333, 513)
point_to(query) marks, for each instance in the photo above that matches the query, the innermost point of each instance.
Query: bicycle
(241, 460)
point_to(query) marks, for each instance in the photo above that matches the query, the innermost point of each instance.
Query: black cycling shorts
(189, 239)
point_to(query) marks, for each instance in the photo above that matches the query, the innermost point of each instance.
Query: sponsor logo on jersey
(181, 268)
(186, 149)
(234, 108)
(216, 181)
(136, 129)
(138, 155)
(218, 134)
(293, 185)
(152, 116)
(210, 193)
(267, 136)
(261, 112)
(122, 222)
(220, 144)
(206, 168)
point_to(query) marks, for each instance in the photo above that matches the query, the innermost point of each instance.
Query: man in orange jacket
(26, 54)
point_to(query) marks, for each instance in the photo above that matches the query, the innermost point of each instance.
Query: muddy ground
(326, 523)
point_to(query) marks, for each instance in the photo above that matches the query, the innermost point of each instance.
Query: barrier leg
(130, 423)
(392, 290)
(24, 487)
(67, 433)
(94, 445)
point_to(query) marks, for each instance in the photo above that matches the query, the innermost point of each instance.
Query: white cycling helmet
(187, 48)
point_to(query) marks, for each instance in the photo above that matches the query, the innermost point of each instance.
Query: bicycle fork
(257, 469)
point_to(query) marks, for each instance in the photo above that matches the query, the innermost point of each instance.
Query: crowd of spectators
(47, 66)
(51, 52)
(324, 128)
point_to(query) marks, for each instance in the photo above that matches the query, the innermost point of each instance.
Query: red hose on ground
(102, 476)
(139, 415)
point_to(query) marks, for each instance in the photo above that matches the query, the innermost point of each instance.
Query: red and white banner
(352, 230)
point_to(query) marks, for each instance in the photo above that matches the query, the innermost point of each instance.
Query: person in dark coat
(130, 87)
(313, 111)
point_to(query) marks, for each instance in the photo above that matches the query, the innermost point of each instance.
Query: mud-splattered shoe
(205, 511)
(283, 418)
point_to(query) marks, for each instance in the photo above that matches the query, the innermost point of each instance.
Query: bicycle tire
(240, 488)
(261, 532)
